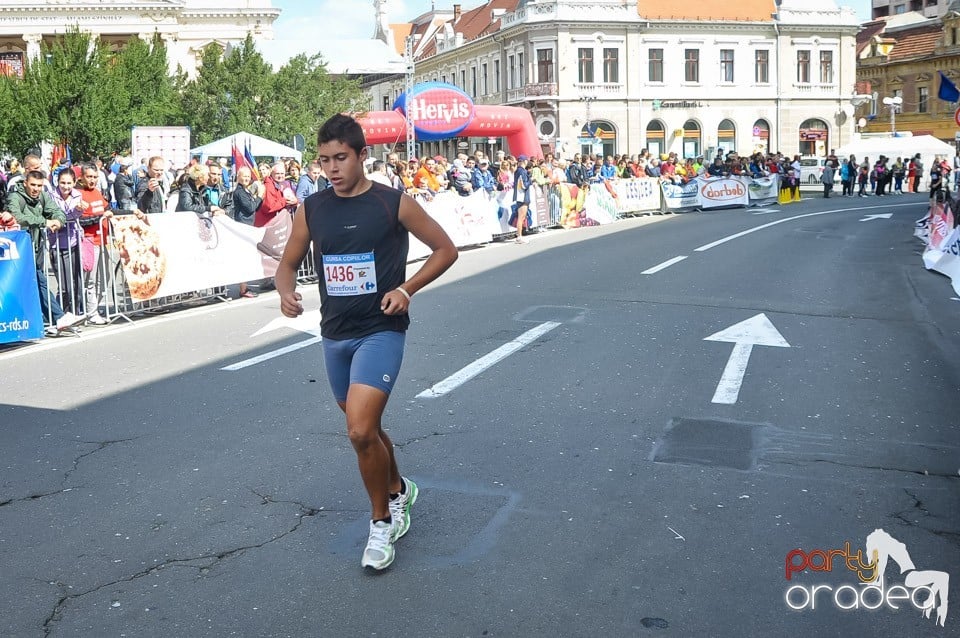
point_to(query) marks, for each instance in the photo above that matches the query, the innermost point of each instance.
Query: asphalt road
(587, 484)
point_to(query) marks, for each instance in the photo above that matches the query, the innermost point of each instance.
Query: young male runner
(359, 230)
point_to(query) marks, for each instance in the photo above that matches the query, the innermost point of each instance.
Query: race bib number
(350, 275)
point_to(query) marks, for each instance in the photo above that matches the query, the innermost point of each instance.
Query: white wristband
(405, 293)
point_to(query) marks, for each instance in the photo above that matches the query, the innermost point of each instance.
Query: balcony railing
(543, 89)
(599, 89)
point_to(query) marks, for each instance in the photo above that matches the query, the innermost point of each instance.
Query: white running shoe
(379, 551)
(68, 320)
(400, 508)
(97, 319)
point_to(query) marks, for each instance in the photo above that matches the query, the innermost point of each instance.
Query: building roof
(741, 11)
(916, 39)
(916, 42)
(472, 24)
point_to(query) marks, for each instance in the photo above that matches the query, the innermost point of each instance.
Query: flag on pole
(239, 161)
(948, 90)
(248, 154)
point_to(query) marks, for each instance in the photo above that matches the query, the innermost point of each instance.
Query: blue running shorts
(372, 360)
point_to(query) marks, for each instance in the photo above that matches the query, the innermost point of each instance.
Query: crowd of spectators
(74, 200)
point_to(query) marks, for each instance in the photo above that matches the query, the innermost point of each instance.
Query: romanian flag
(248, 155)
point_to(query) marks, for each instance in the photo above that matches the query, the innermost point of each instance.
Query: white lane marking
(789, 219)
(271, 355)
(665, 264)
(767, 211)
(465, 374)
(757, 330)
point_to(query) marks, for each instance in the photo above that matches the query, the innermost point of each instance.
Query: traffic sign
(956, 116)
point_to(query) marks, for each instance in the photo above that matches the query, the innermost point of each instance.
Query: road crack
(207, 561)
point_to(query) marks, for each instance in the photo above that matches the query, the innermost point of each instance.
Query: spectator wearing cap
(483, 180)
(123, 193)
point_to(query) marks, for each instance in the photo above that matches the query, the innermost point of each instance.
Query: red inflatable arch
(443, 111)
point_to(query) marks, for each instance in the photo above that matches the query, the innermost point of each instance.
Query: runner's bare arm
(293, 254)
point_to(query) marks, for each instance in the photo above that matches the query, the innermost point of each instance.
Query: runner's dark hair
(342, 128)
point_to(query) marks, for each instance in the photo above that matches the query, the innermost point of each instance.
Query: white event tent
(259, 146)
(905, 146)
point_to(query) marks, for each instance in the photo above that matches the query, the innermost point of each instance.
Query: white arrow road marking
(756, 331)
(465, 374)
(308, 322)
(665, 264)
(879, 216)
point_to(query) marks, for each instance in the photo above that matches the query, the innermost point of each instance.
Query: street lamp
(894, 104)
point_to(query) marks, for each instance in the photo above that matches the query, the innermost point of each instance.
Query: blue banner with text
(20, 317)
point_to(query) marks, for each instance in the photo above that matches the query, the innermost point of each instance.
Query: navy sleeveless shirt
(360, 253)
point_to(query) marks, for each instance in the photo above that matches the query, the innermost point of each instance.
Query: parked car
(811, 168)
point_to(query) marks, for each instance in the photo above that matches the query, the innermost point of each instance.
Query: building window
(922, 99)
(762, 66)
(511, 72)
(463, 79)
(496, 76)
(521, 71)
(473, 81)
(803, 67)
(611, 65)
(691, 65)
(826, 67)
(585, 65)
(544, 66)
(386, 102)
(443, 78)
(726, 65)
(655, 65)
(483, 78)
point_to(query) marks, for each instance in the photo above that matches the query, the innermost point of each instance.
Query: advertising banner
(946, 258)
(20, 316)
(175, 253)
(637, 195)
(715, 192)
(763, 191)
(678, 197)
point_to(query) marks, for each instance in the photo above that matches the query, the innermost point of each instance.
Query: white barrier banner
(946, 259)
(467, 220)
(941, 223)
(636, 195)
(599, 206)
(175, 253)
(722, 191)
(763, 190)
(681, 196)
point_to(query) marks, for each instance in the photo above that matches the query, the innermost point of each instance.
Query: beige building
(617, 76)
(186, 26)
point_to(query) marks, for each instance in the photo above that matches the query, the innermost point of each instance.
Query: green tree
(304, 95)
(229, 93)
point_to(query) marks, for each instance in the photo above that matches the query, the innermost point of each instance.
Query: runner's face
(343, 166)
